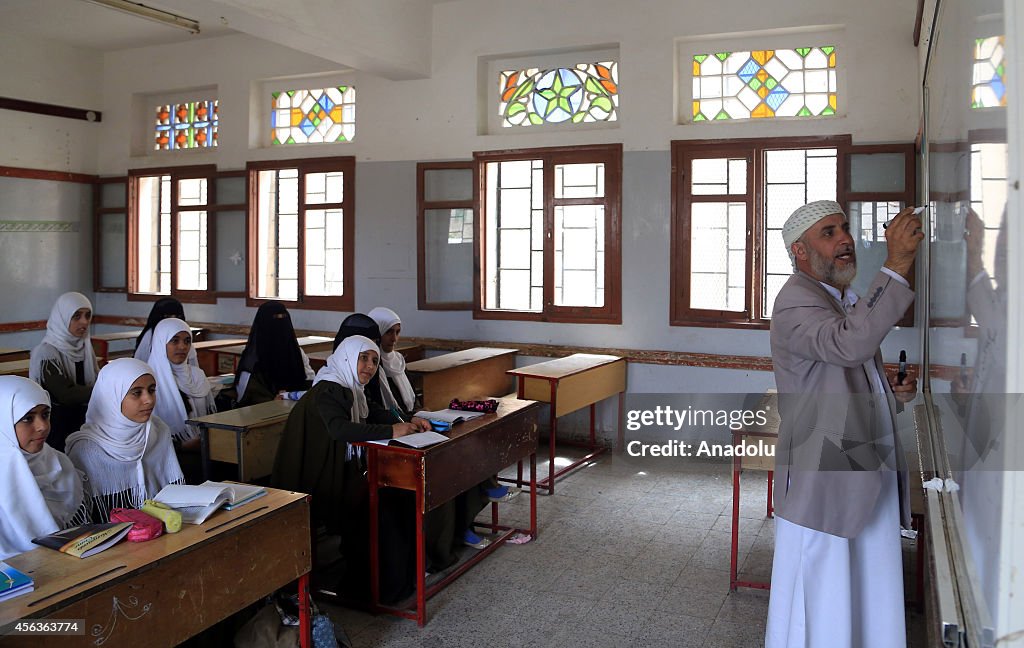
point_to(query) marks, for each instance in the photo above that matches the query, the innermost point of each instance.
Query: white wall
(49, 72)
(400, 122)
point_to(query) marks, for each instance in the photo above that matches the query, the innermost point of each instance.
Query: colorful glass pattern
(186, 125)
(587, 92)
(313, 116)
(988, 83)
(797, 82)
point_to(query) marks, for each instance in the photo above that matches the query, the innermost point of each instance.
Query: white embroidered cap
(803, 218)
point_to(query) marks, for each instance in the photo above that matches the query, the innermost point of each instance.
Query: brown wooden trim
(422, 205)
(18, 327)
(527, 349)
(345, 164)
(948, 147)
(987, 136)
(43, 174)
(53, 110)
(104, 289)
(611, 156)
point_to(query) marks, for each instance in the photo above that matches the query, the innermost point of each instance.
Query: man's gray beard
(826, 268)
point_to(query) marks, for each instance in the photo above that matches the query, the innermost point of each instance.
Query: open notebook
(196, 503)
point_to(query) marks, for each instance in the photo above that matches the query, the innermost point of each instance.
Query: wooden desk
(475, 451)
(570, 384)
(161, 592)
(207, 356)
(467, 374)
(246, 437)
(101, 342)
(6, 355)
(14, 368)
(228, 356)
(411, 353)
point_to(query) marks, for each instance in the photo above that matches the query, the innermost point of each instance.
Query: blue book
(13, 582)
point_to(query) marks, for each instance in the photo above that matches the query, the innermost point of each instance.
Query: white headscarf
(393, 362)
(803, 219)
(135, 457)
(59, 346)
(343, 368)
(172, 378)
(41, 492)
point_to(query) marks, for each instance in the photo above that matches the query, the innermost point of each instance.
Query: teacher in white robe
(841, 478)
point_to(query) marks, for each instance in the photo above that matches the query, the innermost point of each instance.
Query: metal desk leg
(533, 495)
(305, 613)
(421, 559)
(734, 550)
(374, 531)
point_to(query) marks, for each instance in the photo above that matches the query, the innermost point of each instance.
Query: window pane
(718, 256)
(579, 253)
(877, 172)
(794, 177)
(448, 248)
(447, 184)
(764, 84)
(154, 240)
(192, 251)
(186, 125)
(513, 262)
(324, 252)
(313, 116)
(324, 187)
(866, 221)
(586, 92)
(192, 192)
(579, 180)
(277, 234)
(718, 176)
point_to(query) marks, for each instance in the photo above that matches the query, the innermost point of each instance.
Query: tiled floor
(627, 555)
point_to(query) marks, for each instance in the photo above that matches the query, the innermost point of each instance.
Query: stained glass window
(988, 85)
(587, 92)
(186, 125)
(313, 116)
(797, 82)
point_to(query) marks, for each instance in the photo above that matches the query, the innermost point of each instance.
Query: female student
(42, 491)
(162, 309)
(458, 525)
(272, 361)
(184, 391)
(316, 456)
(123, 449)
(65, 364)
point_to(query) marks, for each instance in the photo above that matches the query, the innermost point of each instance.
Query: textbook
(197, 503)
(13, 582)
(449, 416)
(85, 540)
(239, 493)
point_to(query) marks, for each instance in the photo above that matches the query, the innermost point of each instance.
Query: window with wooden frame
(169, 236)
(731, 198)
(301, 229)
(549, 235)
(445, 226)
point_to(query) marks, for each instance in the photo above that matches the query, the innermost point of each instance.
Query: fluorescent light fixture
(149, 13)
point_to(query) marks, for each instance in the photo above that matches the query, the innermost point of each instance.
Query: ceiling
(88, 26)
(383, 37)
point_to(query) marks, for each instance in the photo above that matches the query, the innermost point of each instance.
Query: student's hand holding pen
(402, 429)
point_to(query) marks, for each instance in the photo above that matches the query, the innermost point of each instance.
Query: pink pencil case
(144, 527)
